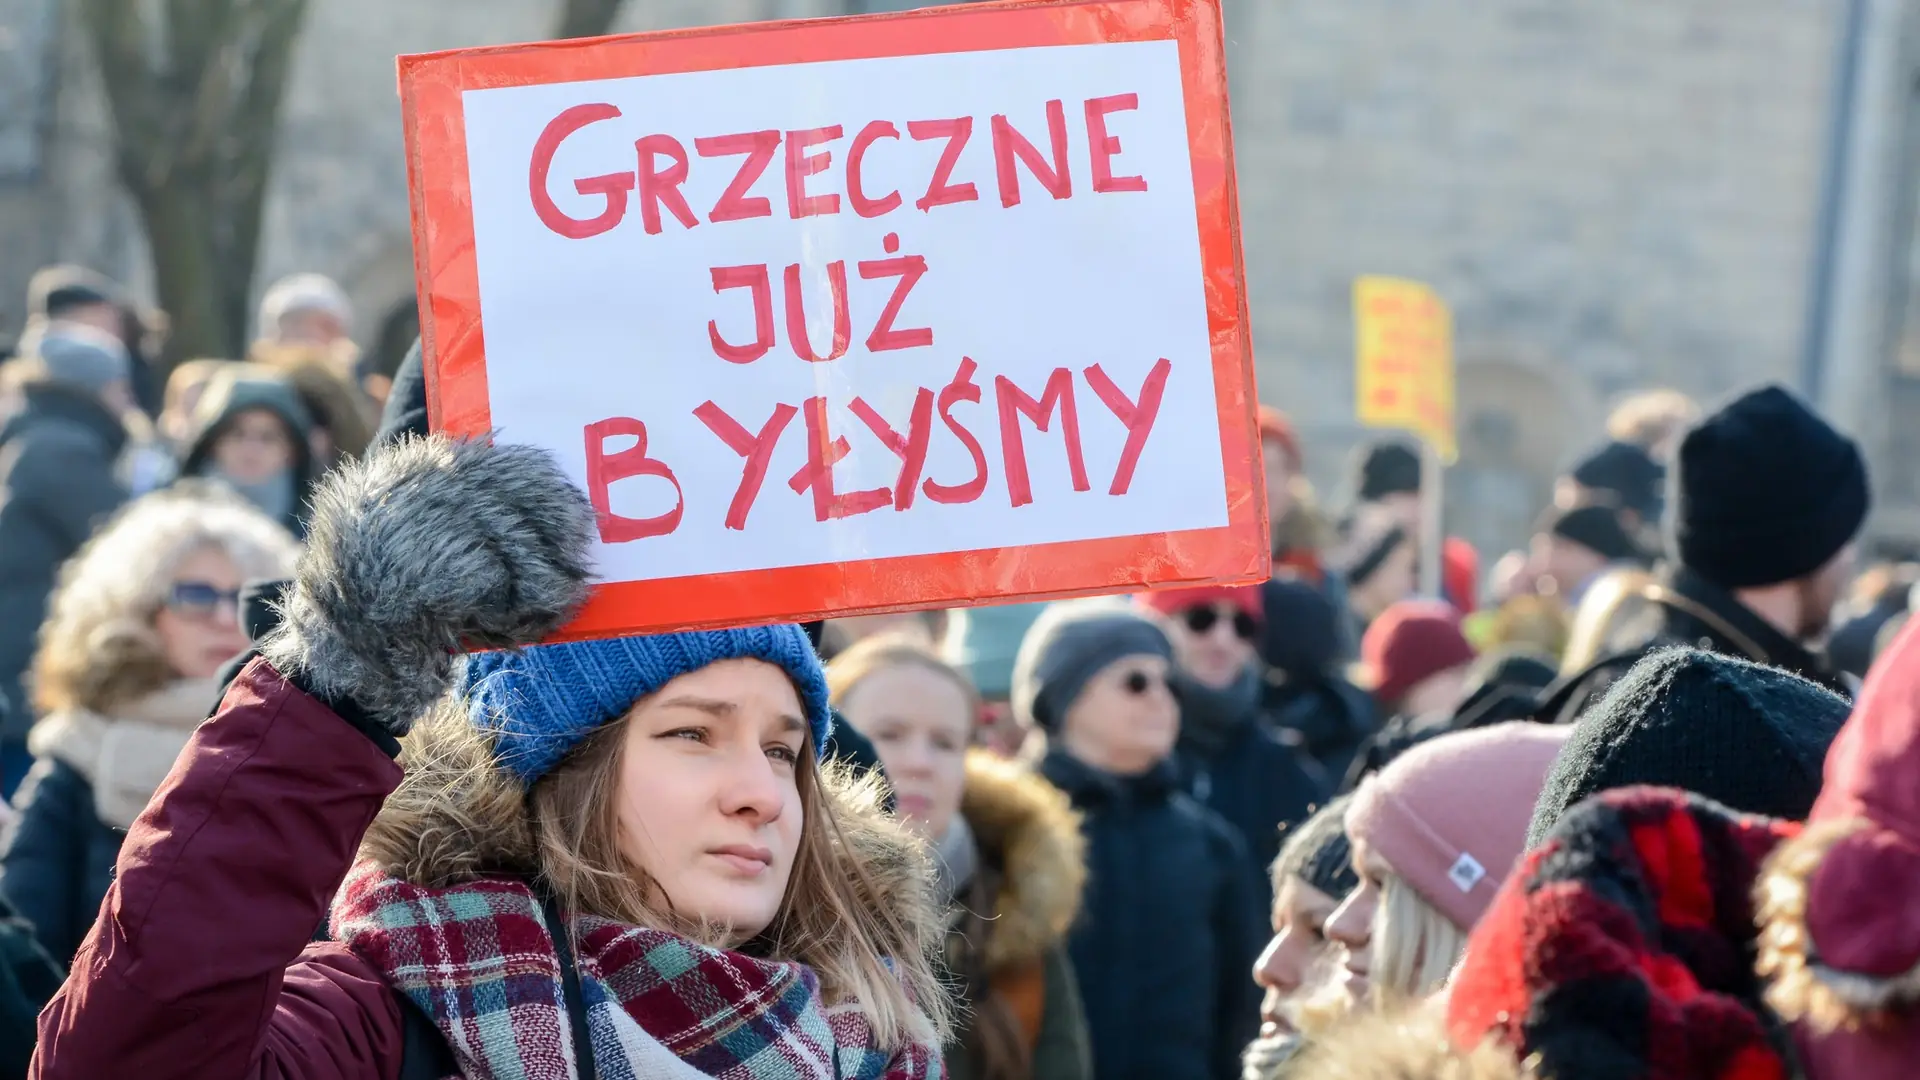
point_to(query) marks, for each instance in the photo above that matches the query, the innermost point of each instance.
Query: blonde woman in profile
(1433, 835)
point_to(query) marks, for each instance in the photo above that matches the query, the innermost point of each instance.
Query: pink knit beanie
(1450, 816)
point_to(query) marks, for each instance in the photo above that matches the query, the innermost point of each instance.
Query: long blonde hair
(870, 656)
(98, 647)
(1414, 946)
(859, 909)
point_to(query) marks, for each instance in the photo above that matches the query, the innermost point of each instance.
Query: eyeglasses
(203, 600)
(1202, 620)
(1138, 683)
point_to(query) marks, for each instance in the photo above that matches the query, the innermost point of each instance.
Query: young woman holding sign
(601, 859)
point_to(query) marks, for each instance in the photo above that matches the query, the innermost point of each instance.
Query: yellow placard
(1403, 359)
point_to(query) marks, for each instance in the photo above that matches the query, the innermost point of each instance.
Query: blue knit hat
(542, 701)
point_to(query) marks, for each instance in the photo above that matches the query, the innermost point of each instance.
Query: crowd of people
(1610, 805)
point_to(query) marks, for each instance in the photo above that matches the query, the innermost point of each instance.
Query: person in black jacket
(1307, 692)
(1173, 916)
(57, 480)
(1767, 500)
(1230, 757)
(144, 617)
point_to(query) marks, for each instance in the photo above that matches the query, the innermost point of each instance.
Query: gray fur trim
(426, 548)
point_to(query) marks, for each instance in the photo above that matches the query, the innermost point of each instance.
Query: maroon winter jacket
(199, 964)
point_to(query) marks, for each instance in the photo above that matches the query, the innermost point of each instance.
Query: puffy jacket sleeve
(199, 965)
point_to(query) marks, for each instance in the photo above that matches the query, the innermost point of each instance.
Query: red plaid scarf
(1622, 948)
(478, 959)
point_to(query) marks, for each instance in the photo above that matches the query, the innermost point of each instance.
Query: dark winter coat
(1008, 946)
(1331, 718)
(1168, 931)
(1687, 609)
(58, 860)
(1235, 764)
(57, 481)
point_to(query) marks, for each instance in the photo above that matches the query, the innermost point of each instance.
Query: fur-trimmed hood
(1838, 937)
(1027, 829)
(458, 815)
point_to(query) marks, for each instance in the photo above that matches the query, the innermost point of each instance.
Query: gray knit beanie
(1069, 644)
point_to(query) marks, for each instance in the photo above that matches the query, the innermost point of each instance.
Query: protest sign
(857, 314)
(1403, 359)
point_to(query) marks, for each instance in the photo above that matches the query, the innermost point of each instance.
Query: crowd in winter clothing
(301, 795)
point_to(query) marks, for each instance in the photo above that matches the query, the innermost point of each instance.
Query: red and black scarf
(1623, 947)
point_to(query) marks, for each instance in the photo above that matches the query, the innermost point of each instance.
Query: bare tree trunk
(187, 271)
(195, 88)
(586, 18)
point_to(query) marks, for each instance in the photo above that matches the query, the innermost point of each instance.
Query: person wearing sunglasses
(143, 619)
(1173, 917)
(1230, 756)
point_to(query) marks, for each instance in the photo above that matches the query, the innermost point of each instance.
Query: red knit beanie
(1246, 598)
(1450, 816)
(1410, 642)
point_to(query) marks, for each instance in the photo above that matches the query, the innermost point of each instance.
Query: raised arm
(199, 964)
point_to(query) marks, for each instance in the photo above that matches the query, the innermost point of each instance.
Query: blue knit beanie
(542, 701)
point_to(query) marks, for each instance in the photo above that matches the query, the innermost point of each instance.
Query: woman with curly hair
(139, 626)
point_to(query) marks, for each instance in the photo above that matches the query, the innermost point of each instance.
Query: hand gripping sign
(856, 314)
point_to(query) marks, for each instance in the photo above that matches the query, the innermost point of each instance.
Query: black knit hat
(1318, 853)
(1596, 528)
(1387, 468)
(1764, 492)
(1751, 737)
(1627, 474)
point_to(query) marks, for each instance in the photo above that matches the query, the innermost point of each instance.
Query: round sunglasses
(1202, 620)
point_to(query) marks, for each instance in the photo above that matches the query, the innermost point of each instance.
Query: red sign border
(447, 278)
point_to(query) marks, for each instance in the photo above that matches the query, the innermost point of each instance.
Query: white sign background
(578, 331)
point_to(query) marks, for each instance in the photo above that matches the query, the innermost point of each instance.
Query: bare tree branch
(195, 88)
(586, 18)
(252, 138)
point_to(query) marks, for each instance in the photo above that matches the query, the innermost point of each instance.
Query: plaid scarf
(1622, 947)
(478, 958)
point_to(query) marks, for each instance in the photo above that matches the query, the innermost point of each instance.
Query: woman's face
(255, 447)
(199, 621)
(709, 792)
(920, 723)
(1125, 720)
(1215, 643)
(1299, 939)
(1351, 924)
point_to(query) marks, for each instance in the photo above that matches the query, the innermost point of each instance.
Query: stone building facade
(1693, 193)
